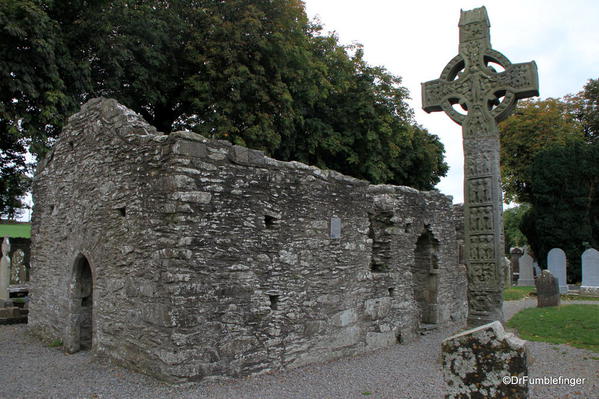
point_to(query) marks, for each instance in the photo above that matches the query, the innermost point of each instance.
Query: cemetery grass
(15, 230)
(517, 293)
(575, 325)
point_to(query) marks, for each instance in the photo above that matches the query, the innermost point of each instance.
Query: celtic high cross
(476, 94)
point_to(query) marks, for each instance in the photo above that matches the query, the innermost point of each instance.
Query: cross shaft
(477, 96)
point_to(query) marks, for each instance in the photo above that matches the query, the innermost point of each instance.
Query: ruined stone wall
(213, 260)
(94, 196)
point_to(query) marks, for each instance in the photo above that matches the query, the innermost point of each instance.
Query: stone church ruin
(189, 258)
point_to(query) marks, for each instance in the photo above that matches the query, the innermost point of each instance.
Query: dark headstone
(547, 290)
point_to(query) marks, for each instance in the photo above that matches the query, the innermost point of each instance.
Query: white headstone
(526, 277)
(556, 263)
(590, 272)
(5, 270)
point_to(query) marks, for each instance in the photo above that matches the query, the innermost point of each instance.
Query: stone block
(380, 340)
(344, 337)
(345, 318)
(190, 148)
(477, 363)
(199, 197)
(377, 308)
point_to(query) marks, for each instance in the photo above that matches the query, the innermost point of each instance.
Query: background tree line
(255, 72)
(550, 165)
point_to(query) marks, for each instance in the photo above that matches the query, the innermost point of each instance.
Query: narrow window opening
(391, 291)
(274, 302)
(122, 211)
(378, 232)
(71, 145)
(399, 339)
(269, 221)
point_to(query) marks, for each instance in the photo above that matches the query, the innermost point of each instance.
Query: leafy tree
(33, 96)
(565, 203)
(585, 108)
(255, 72)
(534, 126)
(512, 218)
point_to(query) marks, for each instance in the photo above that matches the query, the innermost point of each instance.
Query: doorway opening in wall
(425, 274)
(83, 304)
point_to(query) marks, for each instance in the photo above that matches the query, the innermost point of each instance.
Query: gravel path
(30, 370)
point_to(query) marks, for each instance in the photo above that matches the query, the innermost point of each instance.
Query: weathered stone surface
(5, 270)
(475, 363)
(590, 272)
(526, 277)
(211, 261)
(547, 290)
(486, 97)
(19, 255)
(556, 263)
(507, 274)
(18, 270)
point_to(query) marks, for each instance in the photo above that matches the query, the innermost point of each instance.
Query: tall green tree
(565, 203)
(534, 126)
(33, 96)
(255, 72)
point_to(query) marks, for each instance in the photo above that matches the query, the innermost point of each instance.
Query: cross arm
(521, 79)
(439, 94)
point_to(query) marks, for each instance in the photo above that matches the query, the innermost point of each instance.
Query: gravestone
(475, 363)
(18, 271)
(526, 277)
(486, 97)
(4, 271)
(515, 254)
(556, 263)
(547, 290)
(508, 272)
(590, 272)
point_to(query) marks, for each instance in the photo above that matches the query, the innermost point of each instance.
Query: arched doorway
(80, 329)
(425, 274)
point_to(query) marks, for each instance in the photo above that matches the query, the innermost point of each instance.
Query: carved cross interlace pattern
(478, 88)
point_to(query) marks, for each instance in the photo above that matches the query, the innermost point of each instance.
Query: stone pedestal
(477, 364)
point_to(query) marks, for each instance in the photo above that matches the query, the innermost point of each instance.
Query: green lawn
(516, 293)
(15, 230)
(575, 325)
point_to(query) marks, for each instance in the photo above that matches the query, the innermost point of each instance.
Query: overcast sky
(416, 39)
